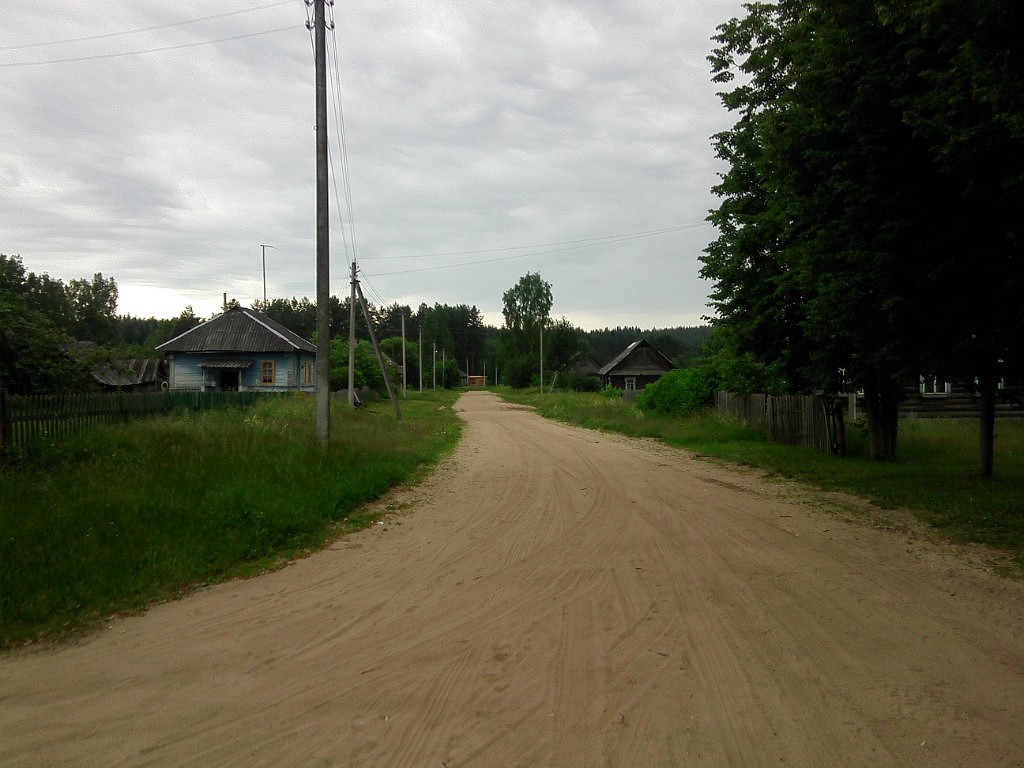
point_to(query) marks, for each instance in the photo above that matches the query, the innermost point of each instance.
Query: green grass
(935, 477)
(118, 517)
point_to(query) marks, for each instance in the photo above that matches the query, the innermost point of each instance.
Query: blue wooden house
(240, 350)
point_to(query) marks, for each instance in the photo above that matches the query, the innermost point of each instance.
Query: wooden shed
(240, 350)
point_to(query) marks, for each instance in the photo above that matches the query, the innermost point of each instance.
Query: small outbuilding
(134, 375)
(240, 350)
(637, 365)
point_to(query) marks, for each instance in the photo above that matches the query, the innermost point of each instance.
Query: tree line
(52, 335)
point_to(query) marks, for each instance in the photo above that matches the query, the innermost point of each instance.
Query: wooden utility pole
(380, 355)
(405, 384)
(352, 340)
(323, 230)
(542, 357)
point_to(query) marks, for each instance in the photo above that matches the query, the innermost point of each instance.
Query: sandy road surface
(556, 597)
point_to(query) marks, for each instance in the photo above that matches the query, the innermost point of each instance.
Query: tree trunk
(881, 401)
(987, 426)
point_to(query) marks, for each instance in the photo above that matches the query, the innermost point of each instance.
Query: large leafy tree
(830, 266)
(526, 308)
(94, 309)
(964, 101)
(33, 348)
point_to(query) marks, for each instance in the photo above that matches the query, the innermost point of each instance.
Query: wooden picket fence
(813, 421)
(27, 420)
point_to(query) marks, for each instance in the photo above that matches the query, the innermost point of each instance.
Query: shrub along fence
(26, 420)
(813, 421)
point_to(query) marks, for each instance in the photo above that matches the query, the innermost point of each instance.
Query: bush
(580, 382)
(681, 392)
(612, 393)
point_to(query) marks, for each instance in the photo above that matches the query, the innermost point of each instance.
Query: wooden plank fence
(26, 420)
(813, 421)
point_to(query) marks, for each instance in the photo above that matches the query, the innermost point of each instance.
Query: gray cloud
(469, 127)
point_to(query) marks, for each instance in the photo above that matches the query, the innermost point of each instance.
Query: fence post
(5, 421)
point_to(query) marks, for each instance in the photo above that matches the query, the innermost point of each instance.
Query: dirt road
(557, 597)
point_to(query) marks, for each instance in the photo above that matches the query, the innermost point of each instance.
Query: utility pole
(323, 233)
(405, 384)
(421, 357)
(384, 372)
(352, 340)
(264, 249)
(542, 357)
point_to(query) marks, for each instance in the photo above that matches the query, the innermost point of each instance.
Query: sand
(552, 596)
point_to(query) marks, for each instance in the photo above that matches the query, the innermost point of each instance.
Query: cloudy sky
(162, 143)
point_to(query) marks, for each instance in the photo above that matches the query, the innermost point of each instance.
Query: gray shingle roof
(240, 329)
(639, 358)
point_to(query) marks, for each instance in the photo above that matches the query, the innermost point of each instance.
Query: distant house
(637, 365)
(241, 349)
(937, 396)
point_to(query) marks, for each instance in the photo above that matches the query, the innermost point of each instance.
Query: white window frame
(935, 386)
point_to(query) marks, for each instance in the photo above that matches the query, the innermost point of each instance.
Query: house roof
(638, 358)
(128, 373)
(240, 329)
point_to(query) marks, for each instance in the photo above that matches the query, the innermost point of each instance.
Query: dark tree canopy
(860, 243)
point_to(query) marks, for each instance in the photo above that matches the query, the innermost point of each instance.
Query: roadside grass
(935, 476)
(119, 517)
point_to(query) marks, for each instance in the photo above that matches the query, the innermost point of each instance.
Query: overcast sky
(162, 143)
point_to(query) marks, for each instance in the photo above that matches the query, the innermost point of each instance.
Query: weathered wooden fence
(814, 421)
(30, 419)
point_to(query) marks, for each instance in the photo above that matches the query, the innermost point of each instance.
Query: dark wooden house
(636, 366)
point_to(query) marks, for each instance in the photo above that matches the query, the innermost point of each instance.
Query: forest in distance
(55, 333)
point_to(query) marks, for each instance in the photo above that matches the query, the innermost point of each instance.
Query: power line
(159, 49)
(570, 245)
(589, 240)
(339, 128)
(154, 28)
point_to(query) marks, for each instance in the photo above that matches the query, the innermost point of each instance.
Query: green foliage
(367, 368)
(527, 307)
(741, 373)
(680, 392)
(122, 516)
(859, 126)
(580, 382)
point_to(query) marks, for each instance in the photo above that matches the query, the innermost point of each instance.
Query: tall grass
(935, 476)
(115, 518)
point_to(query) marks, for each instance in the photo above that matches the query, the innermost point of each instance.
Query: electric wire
(125, 32)
(601, 240)
(339, 128)
(590, 243)
(159, 49)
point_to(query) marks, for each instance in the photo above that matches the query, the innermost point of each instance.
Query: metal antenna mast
(264, 249)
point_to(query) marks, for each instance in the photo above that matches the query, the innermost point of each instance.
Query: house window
(934, 386)
(267, 372)
(307, 373)
(631, 383)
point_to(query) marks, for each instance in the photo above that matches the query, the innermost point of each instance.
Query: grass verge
(122, 516)
(935, 477)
